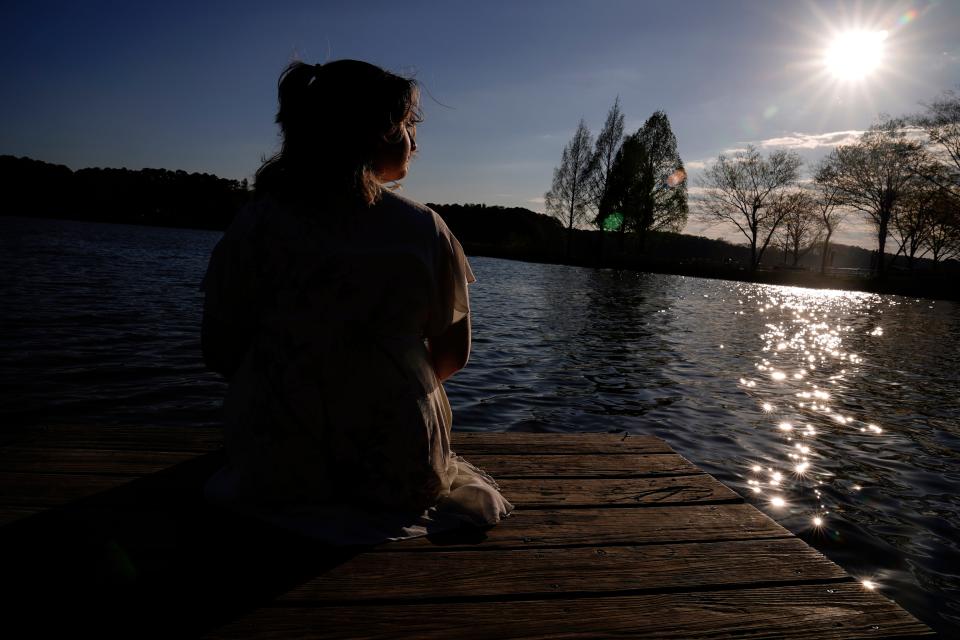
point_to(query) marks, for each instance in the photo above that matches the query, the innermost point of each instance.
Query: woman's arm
(224, 345)
(450, 350)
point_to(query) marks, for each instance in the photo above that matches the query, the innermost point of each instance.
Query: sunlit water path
(836, 413)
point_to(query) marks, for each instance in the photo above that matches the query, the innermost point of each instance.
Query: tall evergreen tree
(648, 183)
(663, 199)
(605, 154)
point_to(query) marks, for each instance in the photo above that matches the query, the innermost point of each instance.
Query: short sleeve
(228, 279)
(451, 302)
(229, 312)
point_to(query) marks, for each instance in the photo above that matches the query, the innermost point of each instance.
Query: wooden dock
(105, 531)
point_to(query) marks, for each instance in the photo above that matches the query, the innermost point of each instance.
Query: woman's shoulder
(249, 216)
(417, 213)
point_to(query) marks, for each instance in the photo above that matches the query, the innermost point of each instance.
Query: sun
(855, 55)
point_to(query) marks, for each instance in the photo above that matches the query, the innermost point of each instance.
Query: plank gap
(632, 505)
(566, 595)
(387, 548)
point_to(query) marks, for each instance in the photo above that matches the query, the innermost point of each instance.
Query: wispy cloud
(813, 140)
(696, 164)
(540, 200)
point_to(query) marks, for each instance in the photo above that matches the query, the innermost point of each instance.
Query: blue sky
(193, 85)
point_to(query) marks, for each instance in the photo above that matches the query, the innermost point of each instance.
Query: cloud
(696, 164)
(813, 140)
(540, 200)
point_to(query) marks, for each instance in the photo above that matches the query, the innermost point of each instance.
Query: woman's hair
(333, 118)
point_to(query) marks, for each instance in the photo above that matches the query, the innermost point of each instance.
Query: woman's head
(347, 126)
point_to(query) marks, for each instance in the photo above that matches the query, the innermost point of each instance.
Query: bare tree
(830, 214)
(912, 220)
(941, 121)
(874, 174)
(569, 196)
(943, 238)
(800, 230)
(748, 191)
(605, 152)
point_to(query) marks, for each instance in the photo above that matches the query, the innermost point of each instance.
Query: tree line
(146, 196)
(621, 183)
(902, 176)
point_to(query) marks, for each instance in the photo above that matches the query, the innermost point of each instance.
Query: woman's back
(336, 398)
(335, 308)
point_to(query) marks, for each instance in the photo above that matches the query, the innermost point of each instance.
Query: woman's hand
(450, 350)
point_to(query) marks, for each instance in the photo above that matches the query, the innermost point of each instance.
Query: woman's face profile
(393, 158)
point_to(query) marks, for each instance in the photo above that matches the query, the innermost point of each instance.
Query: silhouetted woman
(335, 308)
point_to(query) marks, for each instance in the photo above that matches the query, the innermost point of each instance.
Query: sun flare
(854, 55)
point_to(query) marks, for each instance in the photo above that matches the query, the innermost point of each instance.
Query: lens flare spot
(907, 17)
(613, 221)
(675, 178)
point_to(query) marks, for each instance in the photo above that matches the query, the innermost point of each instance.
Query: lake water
(836, 413)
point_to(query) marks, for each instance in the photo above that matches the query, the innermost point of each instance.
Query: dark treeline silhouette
(177, 199)
(503, 230)
(147, 196)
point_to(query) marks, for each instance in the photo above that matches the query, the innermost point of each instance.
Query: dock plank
(31, 459)
(118, 437)
(520, 443)
(45, 490)
(612, 465)
(826, 612)
(568, 492)
(531, 573)
(597, 527)
(41, 491)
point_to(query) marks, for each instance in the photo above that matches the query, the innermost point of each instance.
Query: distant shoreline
(929, 285)
(924, 284)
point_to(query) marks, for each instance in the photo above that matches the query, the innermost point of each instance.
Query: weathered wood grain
(529, 572)
(151, 438)
(105, 461)
(44, 490)
(511, 443)
(570, 492)
(598, 527)
(583, 466)
(204, 439)
(833, 611)
(12, 513)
